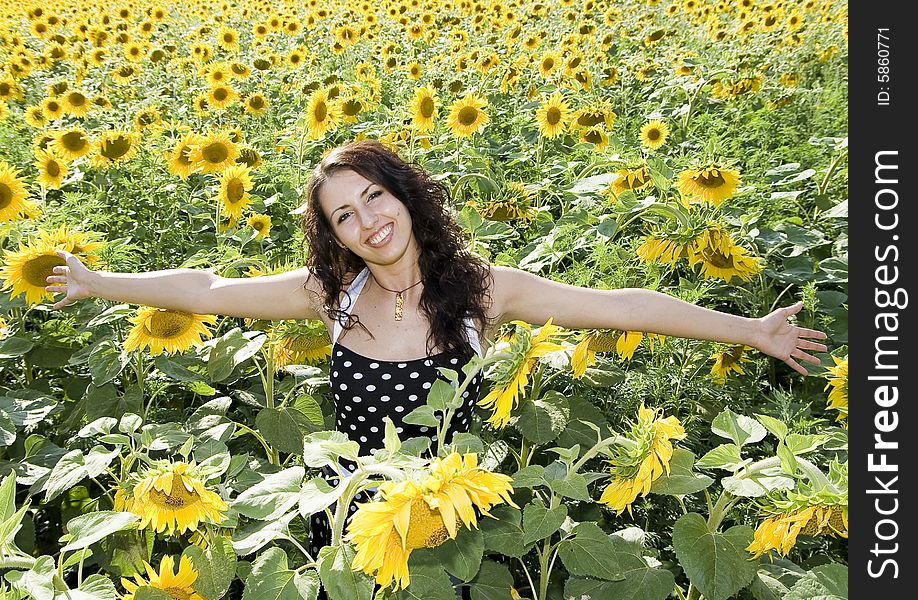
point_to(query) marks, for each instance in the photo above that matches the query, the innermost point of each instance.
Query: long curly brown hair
(456, 283)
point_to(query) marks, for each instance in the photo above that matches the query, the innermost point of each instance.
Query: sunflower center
(553, 115)
(115, 147)
(603, 342)
(653, 135)
(178, 593)
(468, 115)
(169, 324)
(590, 119)
(717, 259)
(427, 107)
(351, 108)
(303, 343)
(215, 152)
(593, 136)
(73, 141)
(51, 168)
(183, 155)
(76, 99)
(256, 102)
(220, 94)
(235, 191)
(6, 195)
(426, 528)
(37, 270)
(710, 180)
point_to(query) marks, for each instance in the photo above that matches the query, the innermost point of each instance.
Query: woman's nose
(368, 218)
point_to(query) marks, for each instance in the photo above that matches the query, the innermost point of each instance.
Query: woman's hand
(785, 341)
(71, 279)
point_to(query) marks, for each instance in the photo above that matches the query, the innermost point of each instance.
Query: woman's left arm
(527, 297)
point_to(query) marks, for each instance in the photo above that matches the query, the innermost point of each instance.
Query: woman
(389, 276)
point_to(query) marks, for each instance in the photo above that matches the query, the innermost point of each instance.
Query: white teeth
(381, 235)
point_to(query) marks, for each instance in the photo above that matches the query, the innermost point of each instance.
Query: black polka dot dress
(366, 390)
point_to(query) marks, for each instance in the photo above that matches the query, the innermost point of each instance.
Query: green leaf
(788, 460)
(37, 582)
(440, 395)
(493, 582)
(462, 556)
(234, 348)
(529, 477)
(67, 472)
(716, 563)
(739, 428)
(725, 456)
(581, 428)
(467, 442)
(504, 534)
(216, 567)
(284, 428)
(7, 430)
(107, 361)
(270, 579)
(540, 522)
(428, 581)
(326, 447)
(339, 581)
(572, 486)
(681, 480)
(316, 494)
(308, 405)
(543, 420)
(147, 592)
(94, 587)
(802, 444)
(422, 415)
(256, 534)
(85, 530)
(590, 553)
(391, 441)
(825, 582)
(757, 481)
(776, 427)
(14, 347)
(273, 496)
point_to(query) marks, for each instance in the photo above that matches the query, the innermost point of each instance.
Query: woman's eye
(343, 216)
(373, 195)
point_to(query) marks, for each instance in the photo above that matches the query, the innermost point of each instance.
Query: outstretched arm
(527, 297)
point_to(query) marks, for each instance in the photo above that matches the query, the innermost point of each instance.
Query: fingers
(813, 333)
(808, 345)
(796, 366)
(793, 309)
(801, 355)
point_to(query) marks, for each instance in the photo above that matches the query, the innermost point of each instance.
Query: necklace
(399, 301)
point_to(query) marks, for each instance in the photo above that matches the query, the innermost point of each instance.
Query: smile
(381, 235)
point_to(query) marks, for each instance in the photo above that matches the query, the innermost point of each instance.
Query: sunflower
(423, 108)
(214, 152)
(146, 117)
(549, 63)
(51, 172)
(235, 183)
(260, 223)
(74, 242)
(728, 361)
(76, 103)
(71, 144)
(838, 397)
(322, 116)
(422, 515)
(593, 116)
(12, 193)
(35, 116)
(299, 344)
(249, 157)
(511, 376)
(125, 73)
(585, 351)
(631, 178)
(171, 497)
(467, 115)
(553, 115)
(720, 258)
(256, 104)
(27, 269)
(708, 184)
(52, 108)
(228, 39)
(114, 147)
(179, 159)
(166, 331)
(638, 464)
(654, 134)
(780, 532)
(220, 96)
(175, 585)
(595, 136)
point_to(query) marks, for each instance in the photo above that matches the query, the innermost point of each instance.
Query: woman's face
(367, 219)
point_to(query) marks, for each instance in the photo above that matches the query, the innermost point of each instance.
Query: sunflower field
(693, 147)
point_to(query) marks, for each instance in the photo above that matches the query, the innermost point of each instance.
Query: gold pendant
(398, 306)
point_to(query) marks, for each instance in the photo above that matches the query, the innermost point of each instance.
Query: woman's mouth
(381, 237)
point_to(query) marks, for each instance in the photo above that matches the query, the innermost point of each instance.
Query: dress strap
(349, 300)
(471, 334)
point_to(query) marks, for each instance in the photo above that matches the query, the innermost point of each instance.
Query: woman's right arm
(274, 297)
